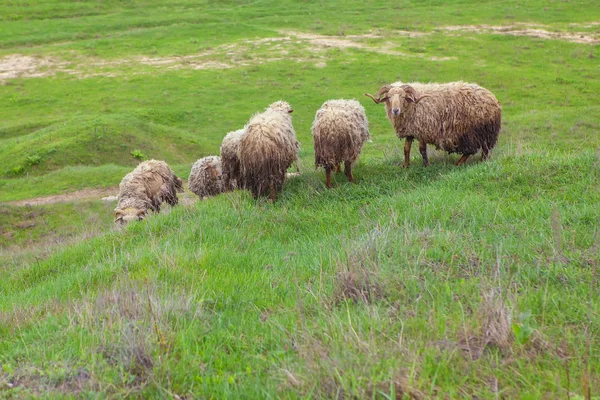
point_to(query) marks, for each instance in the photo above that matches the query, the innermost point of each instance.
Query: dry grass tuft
(135, 324)
(496, 327)
(132, 327)
(358, 277)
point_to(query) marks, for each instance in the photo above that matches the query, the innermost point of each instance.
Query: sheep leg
(338, 168)
(462, 160)
(485, 153)
(173, 200)
(273, 195)
(328, 177)
(407, 146)
(423, 150)
(348, 170)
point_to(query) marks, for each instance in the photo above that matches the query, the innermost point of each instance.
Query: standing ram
(267, 149)
(339, 131)
(457, 117)
(145, 188)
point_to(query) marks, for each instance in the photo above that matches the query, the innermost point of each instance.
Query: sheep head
(213, 171)
(282, 106)
(129, 214)
(396, 97)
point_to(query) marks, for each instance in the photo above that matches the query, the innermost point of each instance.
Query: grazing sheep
(229, 157)
(145, 188)
(206, 177)
(267, 149)
(457, 117)
(339, 131)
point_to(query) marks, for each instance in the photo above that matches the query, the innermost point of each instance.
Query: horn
(383, 91)
(412, 95)
(380, 94)
(373, 98)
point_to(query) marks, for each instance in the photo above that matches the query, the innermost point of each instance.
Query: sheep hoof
(405, 165)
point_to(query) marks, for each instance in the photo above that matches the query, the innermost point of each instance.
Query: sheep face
(397, 98)
(214, 172)
(281, 106)
(123, 217)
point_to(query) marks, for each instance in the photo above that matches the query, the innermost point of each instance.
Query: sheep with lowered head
(457, 117)
(339, 131)
(145, 188)
(206, 177)
(267, 149)
(230, 157)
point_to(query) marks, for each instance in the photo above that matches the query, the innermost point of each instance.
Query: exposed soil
(259, 51)
(536, 31)
(17, 65)
(85, 194)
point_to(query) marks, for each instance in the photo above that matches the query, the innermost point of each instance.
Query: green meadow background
(440, 282)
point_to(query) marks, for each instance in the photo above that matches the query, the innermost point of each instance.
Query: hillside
(479, 281)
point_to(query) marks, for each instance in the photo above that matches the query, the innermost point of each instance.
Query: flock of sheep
(457, 117)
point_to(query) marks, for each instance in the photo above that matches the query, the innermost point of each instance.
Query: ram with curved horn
(456, 117)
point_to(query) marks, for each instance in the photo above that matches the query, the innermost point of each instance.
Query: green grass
(479, 281)
(113, 139)
(56, 223)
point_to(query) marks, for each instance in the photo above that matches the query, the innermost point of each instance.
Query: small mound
(93, 141)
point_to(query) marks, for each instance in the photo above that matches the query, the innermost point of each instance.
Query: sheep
(145, 188)
(267, 149)
(339, 131)
(206, 177)
(457, 117)
(230, 161)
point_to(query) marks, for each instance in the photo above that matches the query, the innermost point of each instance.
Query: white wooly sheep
(267, 149)
(339, 131)
(206, 177)
(144, 189)
(230, 160)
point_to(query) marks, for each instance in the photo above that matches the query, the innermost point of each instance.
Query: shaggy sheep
(339, 131)
(229, 157)
(206, 177)
(267, 150)
(145, 188)
(457, 117)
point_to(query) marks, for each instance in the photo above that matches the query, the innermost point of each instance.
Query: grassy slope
(382, 287)
(257, 299)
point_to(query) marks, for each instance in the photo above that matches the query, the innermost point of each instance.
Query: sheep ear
(290, 111)
(141, 214)
(119, 213)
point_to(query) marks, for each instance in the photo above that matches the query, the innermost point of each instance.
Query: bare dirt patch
(18, 65)
(85, 194)
(311, 46)
(291, 46)
(535, 31)
(318, 43)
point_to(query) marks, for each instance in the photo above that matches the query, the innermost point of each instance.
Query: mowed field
(480, 281)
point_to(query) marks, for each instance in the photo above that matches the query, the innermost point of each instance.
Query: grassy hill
(479, 281)
(105, 139)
